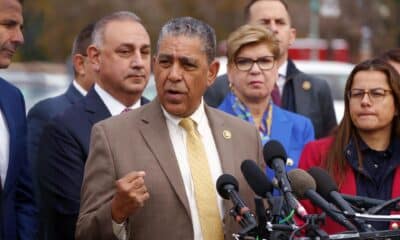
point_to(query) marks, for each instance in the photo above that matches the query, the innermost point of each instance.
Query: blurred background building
(362, 27)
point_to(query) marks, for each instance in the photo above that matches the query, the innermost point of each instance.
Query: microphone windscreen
(272, 150)
(256, 178)
(226, 180)
(301, 181)
(325, 184)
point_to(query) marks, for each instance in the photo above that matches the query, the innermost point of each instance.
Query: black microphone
(256, 179)
(275, 157)
(304, 187)
(363, 202)
(328, 190)
(228, 187)
(260, 184)
(326, 186)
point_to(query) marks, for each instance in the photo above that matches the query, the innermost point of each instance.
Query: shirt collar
(364, 147)
(79, 87)
(283, 69)
(113, 105)
(198, 116)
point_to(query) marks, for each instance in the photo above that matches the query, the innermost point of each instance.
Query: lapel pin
(227, 134)
(289, 162)
(306, 85)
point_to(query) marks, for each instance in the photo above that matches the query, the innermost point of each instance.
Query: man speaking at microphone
(151, 172)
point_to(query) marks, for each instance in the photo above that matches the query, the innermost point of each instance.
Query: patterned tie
(206, 196)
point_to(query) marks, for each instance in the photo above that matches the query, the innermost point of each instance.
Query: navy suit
(38, 116)
(42, 112)
(62, 154)
(18, 210)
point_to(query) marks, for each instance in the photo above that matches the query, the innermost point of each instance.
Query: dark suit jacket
(38, 116)
(139, 140)
(62, 154)
(18, 210)
(42, 112)
(316, 103)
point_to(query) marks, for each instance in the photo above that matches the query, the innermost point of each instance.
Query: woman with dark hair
(363, 155)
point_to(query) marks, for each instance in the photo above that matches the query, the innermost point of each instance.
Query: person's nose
(366, 99)
(137, 60)
(255, 69)
(17, 36)
(175, 73)
(273, 27)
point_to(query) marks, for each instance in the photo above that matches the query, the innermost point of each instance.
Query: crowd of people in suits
(102, 162)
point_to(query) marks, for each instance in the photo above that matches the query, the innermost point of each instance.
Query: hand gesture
(131, 193)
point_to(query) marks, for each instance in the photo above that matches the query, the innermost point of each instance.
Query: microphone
(304, 187)
(275, 157)
(228, 187)
(328, 190)
(259, 183)
(363, 202)
(326, 186)
(256, 179)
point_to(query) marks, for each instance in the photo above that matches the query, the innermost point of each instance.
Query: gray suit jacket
(139, 140)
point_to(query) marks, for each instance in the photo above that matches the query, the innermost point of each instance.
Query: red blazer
(314, 153)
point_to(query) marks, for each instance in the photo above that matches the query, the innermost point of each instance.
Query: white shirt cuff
(119, 230)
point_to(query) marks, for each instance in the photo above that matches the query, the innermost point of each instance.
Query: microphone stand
(313, 229)
(391, 204)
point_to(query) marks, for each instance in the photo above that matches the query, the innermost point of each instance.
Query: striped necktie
(206, 196)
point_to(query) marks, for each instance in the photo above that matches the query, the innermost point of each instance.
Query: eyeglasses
(375, 94)
(264, 63)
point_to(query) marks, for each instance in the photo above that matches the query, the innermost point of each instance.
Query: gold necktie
(204, 187)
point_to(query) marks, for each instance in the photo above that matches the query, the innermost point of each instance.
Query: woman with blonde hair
(252, 72)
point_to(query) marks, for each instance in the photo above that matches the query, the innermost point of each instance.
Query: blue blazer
(292, 130)
(62, 153)
(18, 211)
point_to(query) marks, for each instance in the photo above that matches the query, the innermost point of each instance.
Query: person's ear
(212, 72)
(94, 57)
(78, 60)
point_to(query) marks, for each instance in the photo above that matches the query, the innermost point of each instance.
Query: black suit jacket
(314, 102)
(62, 154)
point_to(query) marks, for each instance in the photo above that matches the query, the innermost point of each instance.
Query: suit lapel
(281, 127)
(302, 95)
(223, 137)
(10, 121)
(223, 142)
(155, 132)
(72, 94)
(95, 106)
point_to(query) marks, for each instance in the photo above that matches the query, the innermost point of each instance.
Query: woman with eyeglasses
(252, 72)
(363, 155)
